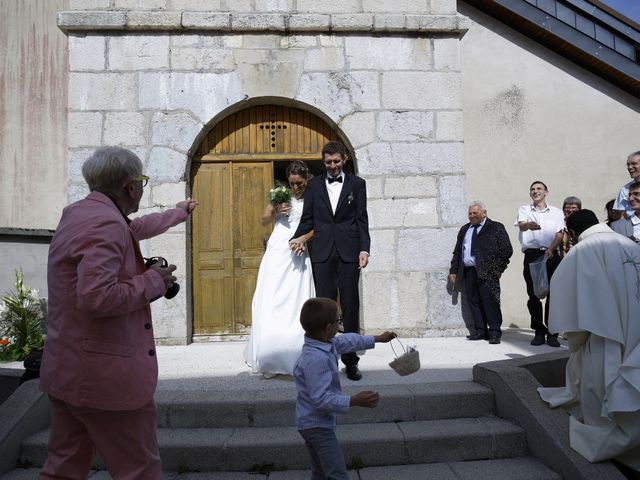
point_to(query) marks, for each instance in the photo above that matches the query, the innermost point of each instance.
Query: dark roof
(587, 32)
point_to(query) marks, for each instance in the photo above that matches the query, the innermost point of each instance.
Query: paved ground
(221, 366)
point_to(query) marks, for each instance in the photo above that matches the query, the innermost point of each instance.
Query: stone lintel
(84, 21)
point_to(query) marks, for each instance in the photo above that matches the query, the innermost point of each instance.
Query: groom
(335, 208)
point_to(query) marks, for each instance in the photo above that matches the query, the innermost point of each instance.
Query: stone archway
(234, 166)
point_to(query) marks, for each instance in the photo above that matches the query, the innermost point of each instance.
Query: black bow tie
(334, 179)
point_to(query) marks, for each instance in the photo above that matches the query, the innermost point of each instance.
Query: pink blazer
(100, 350)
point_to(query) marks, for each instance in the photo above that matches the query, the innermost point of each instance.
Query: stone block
(338, 94)
(142, 20)
(411, 158)
(274, 5)
(388, 53)
(374, 187)
(323, 59)
(124, 128)
(421, 91)
(259, 22)
(442, 313)
(76, 159)
(201, 59)
(305, 21)
(351, 22)
(359, 127)
(87, 53)
(168, 194)
(138, 52)
(377, 302)
(433, 23)
(206, 20)
(231, 41)
(443, 7)
(332, 40)
(383, 251)
(299, 41)
(449, 126)
(196, 5)
(177, 130)
(261, 41)
(101, 91)
(393, 6)
(85, 129)
(408, 126)
(141, 4)
(424, 249)
(412, 301)
(76, 192)
(413, 212)
(453, 200)
(204, 94)
(240, 6)
(276, 78)
(391, 23)
(179, 41)
(446, 54)
(166, 165)
(329, 6)
(89, 4)
(88, 20)
(414, 186)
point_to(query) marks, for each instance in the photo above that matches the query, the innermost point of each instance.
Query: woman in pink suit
(99, 366)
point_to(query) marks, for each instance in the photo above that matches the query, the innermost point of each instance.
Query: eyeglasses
(335, 162)
(141, 178)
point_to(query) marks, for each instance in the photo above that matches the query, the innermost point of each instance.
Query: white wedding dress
(284, 283)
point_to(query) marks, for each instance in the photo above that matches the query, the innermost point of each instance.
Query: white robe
(596, 302)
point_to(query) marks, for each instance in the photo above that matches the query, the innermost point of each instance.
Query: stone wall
(155, 75)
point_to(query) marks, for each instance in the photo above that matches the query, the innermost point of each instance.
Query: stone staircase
(418, 431)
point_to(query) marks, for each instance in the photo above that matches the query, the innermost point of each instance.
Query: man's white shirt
(467, 259)
(622, 200)
(334, 189)
(551, 221)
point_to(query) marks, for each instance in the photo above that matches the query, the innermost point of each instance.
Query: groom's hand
(297, 246)
(363, 260)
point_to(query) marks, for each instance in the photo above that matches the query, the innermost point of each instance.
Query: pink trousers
(125, 440)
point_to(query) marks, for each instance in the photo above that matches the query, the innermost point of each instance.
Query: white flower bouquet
(279, 194)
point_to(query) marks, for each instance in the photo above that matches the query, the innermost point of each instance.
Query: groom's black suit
(337, 242)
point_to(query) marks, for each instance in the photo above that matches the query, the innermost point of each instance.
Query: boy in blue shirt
(318, 385)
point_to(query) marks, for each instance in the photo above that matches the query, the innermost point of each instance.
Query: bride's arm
(268, 216)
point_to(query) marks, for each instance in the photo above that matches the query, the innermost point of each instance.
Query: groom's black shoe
(353, 373)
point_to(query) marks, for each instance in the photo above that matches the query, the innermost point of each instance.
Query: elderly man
(597, 304)
(99, 366)
(539, 225)
(481, 254)
(630, 226)
(622, 203)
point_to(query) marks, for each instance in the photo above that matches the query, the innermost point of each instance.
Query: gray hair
(478, 203)
(572, 201)
(109, 169)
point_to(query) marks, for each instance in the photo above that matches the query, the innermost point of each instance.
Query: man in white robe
(596, 291)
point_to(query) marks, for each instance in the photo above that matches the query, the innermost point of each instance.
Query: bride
(284, 283)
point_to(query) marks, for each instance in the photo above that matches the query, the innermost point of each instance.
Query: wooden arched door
(235, 166)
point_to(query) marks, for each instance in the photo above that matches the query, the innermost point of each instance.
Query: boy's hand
(366, 399)
(384, 337)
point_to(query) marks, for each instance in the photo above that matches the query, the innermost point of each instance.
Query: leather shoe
(538, 339)
(476, 337)
(552, 341)
(353, 373)
(494, 341)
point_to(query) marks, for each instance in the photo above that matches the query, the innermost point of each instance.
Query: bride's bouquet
(279, 194)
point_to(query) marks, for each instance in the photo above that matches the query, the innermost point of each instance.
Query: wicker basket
(408, 362)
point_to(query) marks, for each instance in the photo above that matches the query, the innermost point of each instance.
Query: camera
(174, 288)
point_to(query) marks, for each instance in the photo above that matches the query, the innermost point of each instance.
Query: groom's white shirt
(334, 189)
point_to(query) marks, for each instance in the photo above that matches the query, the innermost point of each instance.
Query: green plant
(22, 321)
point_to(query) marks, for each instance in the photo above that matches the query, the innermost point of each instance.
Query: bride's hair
(298, 167)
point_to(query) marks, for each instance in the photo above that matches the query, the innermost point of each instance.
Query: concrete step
(520, 468)
(271, 408)
(364, 445)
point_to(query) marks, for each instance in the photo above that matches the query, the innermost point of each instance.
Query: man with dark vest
(481, 254)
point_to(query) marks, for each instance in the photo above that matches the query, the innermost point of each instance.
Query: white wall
(531, 115)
